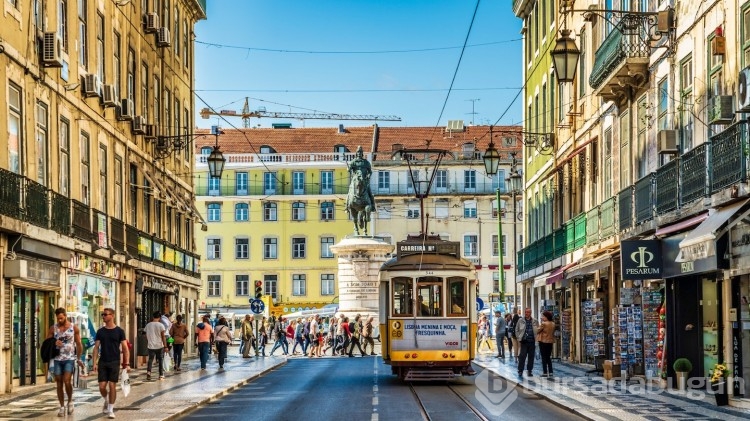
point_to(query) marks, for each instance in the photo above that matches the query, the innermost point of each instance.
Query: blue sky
(386, 57)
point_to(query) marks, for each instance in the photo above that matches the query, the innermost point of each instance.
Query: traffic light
(258, 289)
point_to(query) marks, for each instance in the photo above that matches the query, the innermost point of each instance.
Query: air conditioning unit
(720, 110)
(108, 96)
(162, 37)
(743, 87)
(139, 125)
(151, 22)
(149, 131)
(90, 85)
(52, 48)
(667, 141)
(126, 110)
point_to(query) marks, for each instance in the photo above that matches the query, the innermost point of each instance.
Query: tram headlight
(414, 355)
(445, 355)
(453, 355)
(406, 355)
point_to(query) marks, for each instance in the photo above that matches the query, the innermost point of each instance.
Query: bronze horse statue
(358, 203)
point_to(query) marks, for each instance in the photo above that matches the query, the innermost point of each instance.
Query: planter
(682, 380)
(720, 393)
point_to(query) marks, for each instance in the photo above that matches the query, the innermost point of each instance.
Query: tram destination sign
(407, 248)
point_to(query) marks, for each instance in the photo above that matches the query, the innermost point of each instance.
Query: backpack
(48, 350)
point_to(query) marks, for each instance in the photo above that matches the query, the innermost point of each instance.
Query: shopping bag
(125, 382)
(50, 371)
(167, 362)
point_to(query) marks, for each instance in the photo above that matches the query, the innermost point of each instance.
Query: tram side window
(429, 297)
(457, 296)
(402, 297)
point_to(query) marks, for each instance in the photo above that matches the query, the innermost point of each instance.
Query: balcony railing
(37, 204)
(580, 231)
(694, 171)
(117, 228)
(729, 155)
(60, 220)
(607, 216)
(81, 221)
(592, 225)
(667, 187)
(623, 42)
(558, 237)
(131, 241)
(644, 203)
(625, 208)
(10, 193)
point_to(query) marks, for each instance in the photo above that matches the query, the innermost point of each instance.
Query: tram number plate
(397, 329)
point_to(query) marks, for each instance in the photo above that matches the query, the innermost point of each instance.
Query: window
(167, 113)
(384, 181)
(185, 44)
(240, 183)
(269, 285)
(457, 288)
(116, 63)
(176, 34)
(384, 210)
(242, 285)
(326, 182)
(298, 182)
(100, 46)
(624, 150)
(299, 248)
(241, 212)
(133, 205)
(83, 57)
(470, 179)
(214, 186)
(327, 286)
(213, 249)
(62, 23)
(663, 98)
(241, 248)
(118, 187)
(412, 209)
(270, 248)
(15, 136)
(745, 35)
(470, 209)
(402, 294)
(470, 245)
(326, 211)
(686, 94)
(213, 287)
(269, 211)
(269, 183)
(582, 75)
(641, 147)
(144, 91)
(298, 211)
(299, 286)
(496, 282)
(214, 212)
(325, 247)
(607, 167)
(64, 156)
(85, 166)
(429, 296)
(103, 179)
(157, 101)
(498, 181)
(441, 208)
(41, 143)
(441, 180)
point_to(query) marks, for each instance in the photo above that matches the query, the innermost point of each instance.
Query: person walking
(204, 337)
(110, 352)
(178, 332)
(314, 328)
(509, 333)
(483, 333)
(356, 329)
(263, 336)
(299, 328)
(367, 331)
(222, 337)
(280, 331)
(516, 345)
(157, 344)
(546, 337)
(500, 333)
(526, 329)
(67, 341)
(246, 330)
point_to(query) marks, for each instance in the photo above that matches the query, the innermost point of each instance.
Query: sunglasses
(106, 314)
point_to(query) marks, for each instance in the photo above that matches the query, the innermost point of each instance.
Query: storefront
(153, 294)
(92, 285)
(739, 310)
(32, 286)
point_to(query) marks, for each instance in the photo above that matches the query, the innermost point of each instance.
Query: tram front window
(457, 296)
(429, 297)
(402, 297)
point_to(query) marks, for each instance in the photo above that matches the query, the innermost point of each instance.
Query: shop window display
(87, 296)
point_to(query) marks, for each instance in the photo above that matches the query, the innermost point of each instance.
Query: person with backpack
(64, 353)
(367, 339)
(222, 337)
(356, 332)
(204, 338)
(280, 332)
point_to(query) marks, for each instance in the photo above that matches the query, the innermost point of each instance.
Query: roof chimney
(375, 140)
(341, 128)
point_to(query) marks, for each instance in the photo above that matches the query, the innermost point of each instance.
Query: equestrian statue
(359, 201)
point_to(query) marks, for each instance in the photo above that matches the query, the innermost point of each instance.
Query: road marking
(375, 389)
(374, 417)
(375, 401)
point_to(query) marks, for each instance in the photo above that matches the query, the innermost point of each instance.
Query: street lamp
(515, 186)
(216, 159)
(565, 57)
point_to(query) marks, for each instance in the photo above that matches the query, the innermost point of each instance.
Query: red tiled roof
(316, 140)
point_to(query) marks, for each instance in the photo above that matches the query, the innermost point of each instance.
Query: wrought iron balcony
(694, 171)
(81, 221)
(37, 204)
(667, 187)
(625, 208)
(60, 220)
(131, 241)
(644, 199)
(117, 232)
(729, 155)
(11, 200)
(622, 59)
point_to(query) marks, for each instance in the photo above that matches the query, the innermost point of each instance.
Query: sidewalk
(596, 399)
(148, 400)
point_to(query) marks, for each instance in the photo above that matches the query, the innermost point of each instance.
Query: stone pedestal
(359, 261)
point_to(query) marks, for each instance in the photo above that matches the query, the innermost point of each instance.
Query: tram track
(439, 391)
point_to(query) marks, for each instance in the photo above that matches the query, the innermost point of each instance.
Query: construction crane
(246, 114)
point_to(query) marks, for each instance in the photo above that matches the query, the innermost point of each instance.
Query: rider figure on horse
(362, 166)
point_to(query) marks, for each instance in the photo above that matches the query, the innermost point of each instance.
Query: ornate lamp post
(216, 159)
(515, 187)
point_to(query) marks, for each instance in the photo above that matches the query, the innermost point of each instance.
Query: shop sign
(674, 265)
(158, 251)
(179, 259)
(169, 255)
(144, 246)
(88, 264)
(641, 259)
(159, 284)
(189, 263)
(737, 383)
(43, 272)
(101, 230)
(740, 235)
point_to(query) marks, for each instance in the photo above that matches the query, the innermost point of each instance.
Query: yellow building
(96, 202)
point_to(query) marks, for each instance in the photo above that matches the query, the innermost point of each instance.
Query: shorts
(109, 371)
(63, 366)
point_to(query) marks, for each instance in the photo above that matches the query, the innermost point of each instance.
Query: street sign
(257, 306)
(480, 304)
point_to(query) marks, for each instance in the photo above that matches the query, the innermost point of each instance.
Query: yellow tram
(427, 310)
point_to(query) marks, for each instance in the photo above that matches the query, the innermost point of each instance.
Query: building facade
(93, 215)
(280, 205)
(650, 166)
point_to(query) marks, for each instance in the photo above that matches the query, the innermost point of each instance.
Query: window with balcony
(64, 157)
(213, 285)
(241, 248)
(327, 286)
(269, 182)
(298, 182)
(662, 91)
(270, 211)
(326, 211)
(325, 247)
(214, 186)
(470, 209)
(240, 183)
(686, 94)
(242, 285)
(441, 181)
(299, 248)
(384, 181)
(471, 245)
(241, 212)
(624, 121)
(299, 284)
(41, 143)
(270, 248)
(498, 181)
(326, 182)
(213, 248)
(642, 123)
(470, 180)
(214, 212)
(86, 168)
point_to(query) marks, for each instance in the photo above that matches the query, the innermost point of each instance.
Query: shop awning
(591, 266)
(558, 273)
(701, 242)
(680, 226)
(541, 280)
